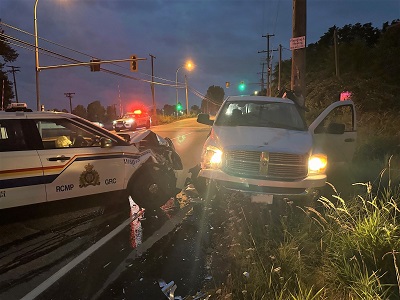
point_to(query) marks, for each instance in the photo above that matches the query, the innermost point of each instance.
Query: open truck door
(335, 131)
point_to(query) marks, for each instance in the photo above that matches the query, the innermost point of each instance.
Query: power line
(91, 56)
(66, 58)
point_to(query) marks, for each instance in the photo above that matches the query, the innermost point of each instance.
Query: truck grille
(266, 164)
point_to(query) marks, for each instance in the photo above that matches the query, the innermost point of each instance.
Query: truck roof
(259, 98)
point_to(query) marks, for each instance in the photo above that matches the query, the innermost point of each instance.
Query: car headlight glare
(114, 122)
(130, 121)
(213, 157)
(317, 163)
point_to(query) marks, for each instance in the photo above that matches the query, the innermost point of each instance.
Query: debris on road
(169, 289)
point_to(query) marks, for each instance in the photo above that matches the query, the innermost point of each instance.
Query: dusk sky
(222, 38)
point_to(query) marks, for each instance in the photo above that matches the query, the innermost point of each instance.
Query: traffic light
(94, 65)
(134, 63)
(179, 106)
(242, 86)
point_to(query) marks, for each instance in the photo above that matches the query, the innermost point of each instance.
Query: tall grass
(347, 250)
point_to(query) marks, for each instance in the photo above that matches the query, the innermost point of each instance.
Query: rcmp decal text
(2, 194)
(131, 161)
(64, 188)
(110, 181)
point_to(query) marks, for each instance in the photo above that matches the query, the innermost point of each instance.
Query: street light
(36, 55)
(189, 66)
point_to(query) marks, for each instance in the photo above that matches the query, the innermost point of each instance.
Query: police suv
(48, 156)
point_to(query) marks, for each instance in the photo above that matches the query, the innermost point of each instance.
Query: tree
(195, 110)
(169, 109)
(212, 101)
(95, 112)
(9, 55)
(80, 111)
(369, 65)
(111, 113)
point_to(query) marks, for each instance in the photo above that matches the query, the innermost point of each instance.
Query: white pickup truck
(262, 146)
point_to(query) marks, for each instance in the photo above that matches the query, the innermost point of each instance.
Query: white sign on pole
(298, 42)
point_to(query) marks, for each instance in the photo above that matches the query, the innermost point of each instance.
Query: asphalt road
(96, 251)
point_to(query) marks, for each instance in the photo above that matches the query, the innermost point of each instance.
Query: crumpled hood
(261, 139)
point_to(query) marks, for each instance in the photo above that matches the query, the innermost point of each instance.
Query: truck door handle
(349, 140)
(62, 158)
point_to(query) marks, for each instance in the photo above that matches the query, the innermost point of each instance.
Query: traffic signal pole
(152, 86)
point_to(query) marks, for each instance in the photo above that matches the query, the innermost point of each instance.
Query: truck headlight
(130, 121)
(317, 163)
(114, 123)
(212, 157)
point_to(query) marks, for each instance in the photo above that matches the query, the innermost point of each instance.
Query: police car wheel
(147, 191)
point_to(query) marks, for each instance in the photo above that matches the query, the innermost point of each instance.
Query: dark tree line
(8, 55)
(368, 64)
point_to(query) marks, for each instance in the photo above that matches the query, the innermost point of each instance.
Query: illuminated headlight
(317, 164)
(212, 158)
(114, 122)
(130, 121)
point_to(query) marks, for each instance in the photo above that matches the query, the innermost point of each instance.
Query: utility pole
(13, 70)
(262, 75)
(336, 52)
(299, 28)
(280, 65)
(187, 98)
(152, 86)
(69, 95)
(120, 103)
(268, 36)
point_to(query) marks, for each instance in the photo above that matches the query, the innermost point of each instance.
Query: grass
(347, 250)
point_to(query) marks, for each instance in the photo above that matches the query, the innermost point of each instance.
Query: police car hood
(138, 136)
(261, 139)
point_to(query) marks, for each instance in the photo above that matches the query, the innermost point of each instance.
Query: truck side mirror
(204, 119)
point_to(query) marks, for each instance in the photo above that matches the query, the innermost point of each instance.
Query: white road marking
(73, 263)
(164, 230)
(168, 226)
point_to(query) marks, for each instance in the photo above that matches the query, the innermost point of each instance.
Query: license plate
(261, 198)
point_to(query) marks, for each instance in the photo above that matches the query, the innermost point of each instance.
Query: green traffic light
(179, 107)
(242, 86)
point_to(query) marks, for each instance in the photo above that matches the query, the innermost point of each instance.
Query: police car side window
(12, 136)
(62, 133)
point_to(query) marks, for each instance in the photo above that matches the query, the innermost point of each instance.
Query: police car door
(76, 161)
(21, 174)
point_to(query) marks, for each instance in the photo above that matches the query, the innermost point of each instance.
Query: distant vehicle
(133, 120)
(98, 124)
(48, 156)
(262, 146)
(17, 107)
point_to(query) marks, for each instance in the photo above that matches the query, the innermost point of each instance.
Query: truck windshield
(260, 114)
